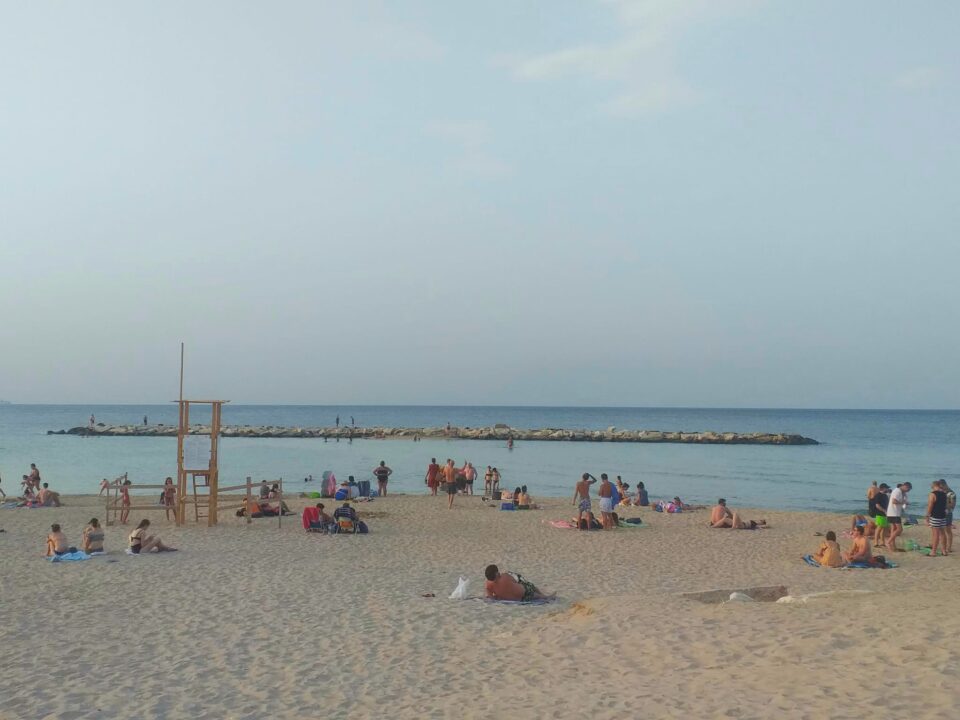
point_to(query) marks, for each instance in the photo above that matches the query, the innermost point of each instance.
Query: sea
(856, 447)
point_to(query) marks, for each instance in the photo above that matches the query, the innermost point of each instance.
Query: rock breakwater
(498, 432)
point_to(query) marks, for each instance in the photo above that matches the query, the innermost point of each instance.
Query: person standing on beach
(951, 505)
(898, 504)
(469, 473)
(877, 511)
(937, 518)
(581, 497)
(606, 502)
(34, 476)
(450, 480)
(382, 473)
(124, 502)
(169, 498)
(488, 481)
(1, 489)
(432, 478)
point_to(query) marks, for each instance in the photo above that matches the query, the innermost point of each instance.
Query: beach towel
(808, 559)
(311, 515)
(636, 523)
(563, 524)
(68, 557)
(492, 601)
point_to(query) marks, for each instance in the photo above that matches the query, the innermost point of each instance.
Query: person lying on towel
(500, 586)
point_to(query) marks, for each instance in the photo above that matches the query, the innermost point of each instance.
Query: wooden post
(280, 504)
(249, 500)
(213, 477)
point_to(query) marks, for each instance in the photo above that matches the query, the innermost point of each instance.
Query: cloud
(918, 78)
(639, 64)
(470, 144)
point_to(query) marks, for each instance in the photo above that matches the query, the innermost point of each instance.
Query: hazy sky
(640, 202)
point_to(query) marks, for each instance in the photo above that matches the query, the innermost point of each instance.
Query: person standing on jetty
(338, 421)
(432, 478)
(382, 473)
(581, 497)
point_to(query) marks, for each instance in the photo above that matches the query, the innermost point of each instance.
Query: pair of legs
(152, 542)
(382, 488)
(896, 530)
(468, 488)
(947, 531)
(433, 488)
(124, 513)
(168, 508)
(584, 507)
(938, 539)
(451, 491)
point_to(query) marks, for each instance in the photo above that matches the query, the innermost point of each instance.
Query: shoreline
(497, 432)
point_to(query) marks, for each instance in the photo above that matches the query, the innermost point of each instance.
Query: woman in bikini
(124, 502)
(141, 543)
(92, 537)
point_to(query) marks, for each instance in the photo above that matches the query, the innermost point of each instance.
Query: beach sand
(248, 621)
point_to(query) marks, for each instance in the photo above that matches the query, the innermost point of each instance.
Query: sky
(723, 203)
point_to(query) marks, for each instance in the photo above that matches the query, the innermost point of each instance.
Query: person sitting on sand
(642, 499)
(345, 517)
(323, 517)
(864, 521)
(93, 535)
(829, 553)
(57, 542)
(502, 586)
(722, 517)
(141, 543)
(524, 501)
(860, 552)
(47, 497)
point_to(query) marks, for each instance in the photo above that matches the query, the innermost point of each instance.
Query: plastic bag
(461, 592)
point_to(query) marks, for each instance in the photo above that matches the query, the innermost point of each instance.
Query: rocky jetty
(498, 432)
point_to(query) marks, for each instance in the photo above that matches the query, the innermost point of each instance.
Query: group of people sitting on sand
(344, 520)
(860, 553)
(93, 536)
(520, 498)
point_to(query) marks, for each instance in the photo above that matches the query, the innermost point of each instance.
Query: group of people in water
(92, 539)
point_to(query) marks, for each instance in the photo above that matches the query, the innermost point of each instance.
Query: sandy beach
(254, 622)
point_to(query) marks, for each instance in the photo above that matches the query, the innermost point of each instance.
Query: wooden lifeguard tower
(192, 464)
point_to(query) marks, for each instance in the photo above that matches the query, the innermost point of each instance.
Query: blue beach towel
(68, 557)
(808, 559)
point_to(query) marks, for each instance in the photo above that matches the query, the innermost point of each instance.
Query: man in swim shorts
(501, 586)
(581, 495)
(450, 480)
(895, 511)
(606, 502)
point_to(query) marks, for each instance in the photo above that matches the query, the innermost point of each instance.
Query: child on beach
(829, 553)
(169, 498)
(124, 502)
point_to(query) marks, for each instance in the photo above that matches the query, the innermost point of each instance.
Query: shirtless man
(500, 586)
(47, 497)
(57, 542)
(34, 476)
(606, 502)
(432, 478)
(581, 497)
(450, 478)
(860, 552)
(722, 517)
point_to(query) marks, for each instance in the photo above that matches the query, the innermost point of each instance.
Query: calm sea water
(857, 447)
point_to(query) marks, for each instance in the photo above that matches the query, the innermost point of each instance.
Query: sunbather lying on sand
(502, 586)
(722, 517)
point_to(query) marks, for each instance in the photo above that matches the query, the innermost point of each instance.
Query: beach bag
(364, 488)
(362, 527)
(341, 494)
(460, 593)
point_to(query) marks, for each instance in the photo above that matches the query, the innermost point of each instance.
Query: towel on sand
(808, 559)
(67, 557)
